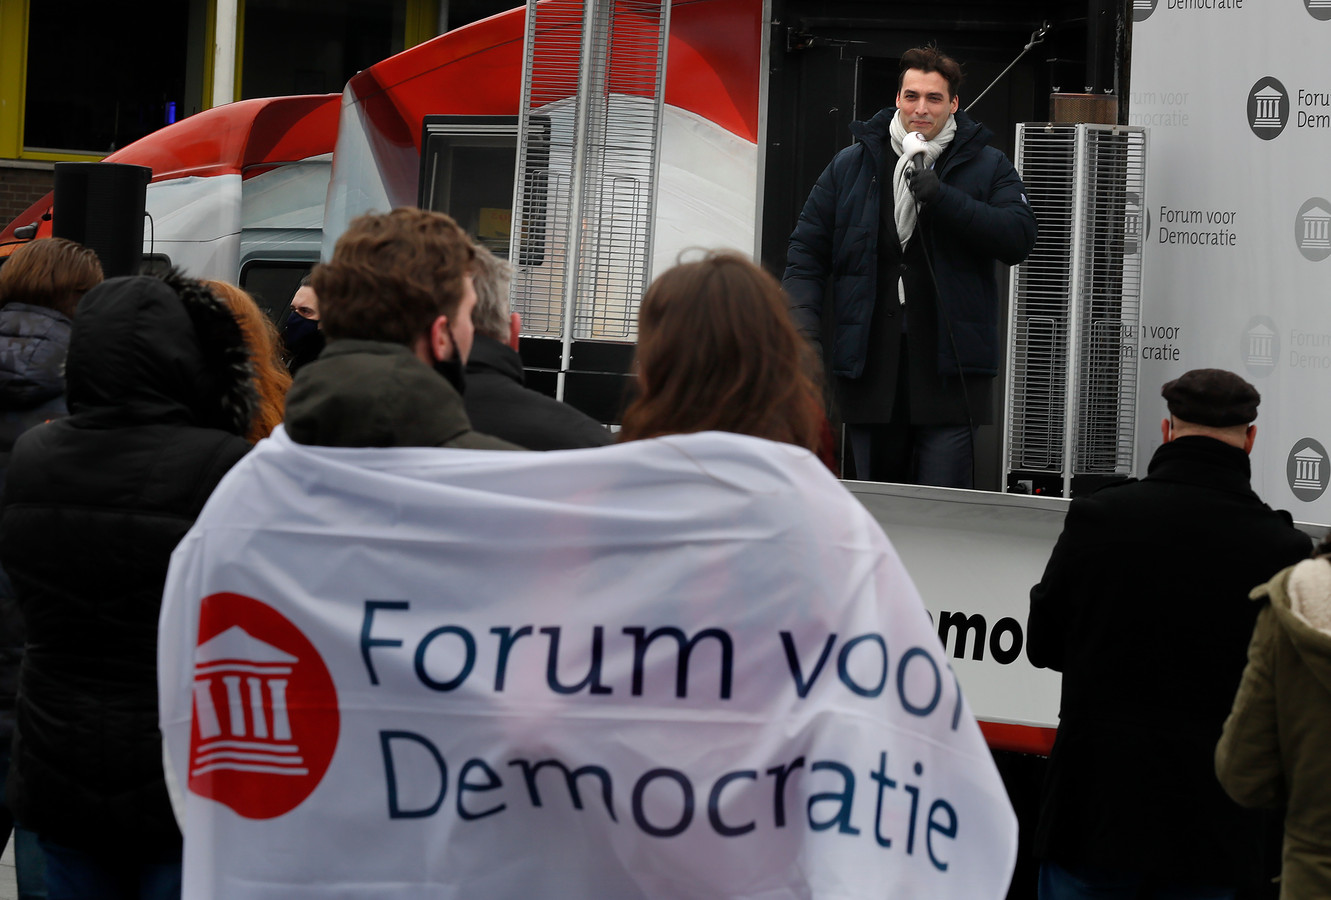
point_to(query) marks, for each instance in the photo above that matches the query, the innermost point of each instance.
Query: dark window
(272, 285)
(116, 76)
(467, 170)
(464, 12)
(315, 46)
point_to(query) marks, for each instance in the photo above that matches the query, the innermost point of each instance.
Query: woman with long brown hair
(717, 352)
(271, 378)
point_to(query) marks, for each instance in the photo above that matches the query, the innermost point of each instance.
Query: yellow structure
(407, 22)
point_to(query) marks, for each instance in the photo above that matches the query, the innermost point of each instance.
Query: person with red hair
(271, 378)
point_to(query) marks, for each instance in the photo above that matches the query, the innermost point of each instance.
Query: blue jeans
(76, 875)
(29, 863)
(1081, 883)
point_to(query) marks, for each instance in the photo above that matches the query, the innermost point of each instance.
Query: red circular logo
(265, 709)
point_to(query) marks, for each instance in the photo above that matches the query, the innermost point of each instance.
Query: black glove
(923, 184)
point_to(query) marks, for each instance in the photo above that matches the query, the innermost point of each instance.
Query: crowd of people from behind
(124, 402)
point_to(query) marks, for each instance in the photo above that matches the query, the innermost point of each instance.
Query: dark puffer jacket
(980, 215)
(33, 344)
(94, 505)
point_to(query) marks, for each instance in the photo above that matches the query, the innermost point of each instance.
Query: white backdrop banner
(1237, 94)
(686, 667)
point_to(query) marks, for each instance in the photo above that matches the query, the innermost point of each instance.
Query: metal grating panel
(1038, 343)
(585, 188)
(1109, 303)
(1076, 303)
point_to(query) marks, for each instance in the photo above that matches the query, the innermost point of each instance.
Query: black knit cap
(1211, 397)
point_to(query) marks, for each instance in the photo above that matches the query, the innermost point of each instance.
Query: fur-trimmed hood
(1301, 600)
(155, 350)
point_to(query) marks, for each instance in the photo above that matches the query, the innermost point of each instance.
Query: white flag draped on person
(685, 667)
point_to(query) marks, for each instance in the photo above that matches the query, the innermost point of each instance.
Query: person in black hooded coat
(159, 394)
(40, 285)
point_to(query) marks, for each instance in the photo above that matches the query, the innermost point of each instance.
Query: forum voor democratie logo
(1136, 223)
(1308, 469)
(1318, 9)
(1142, 9)
(265, 709)
(1312, 229)
(1260, 346)
(1268, 108)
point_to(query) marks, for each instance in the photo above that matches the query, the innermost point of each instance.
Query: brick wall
(22, 184)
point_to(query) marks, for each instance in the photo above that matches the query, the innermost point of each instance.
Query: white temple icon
(244, 680)
(1261, 346)
(1308, 469)
(1316, 228)
(1268, 108)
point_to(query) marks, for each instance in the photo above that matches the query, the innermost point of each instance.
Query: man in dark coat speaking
(907, 224)
(1144, 609)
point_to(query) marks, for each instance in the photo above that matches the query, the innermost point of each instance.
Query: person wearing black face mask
(302, 339)
(454, 367)
(395, 304)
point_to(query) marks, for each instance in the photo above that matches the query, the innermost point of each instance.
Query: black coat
(498, 403)
(980, 215)
(1144, 609)
(94, 505)
(33, 344)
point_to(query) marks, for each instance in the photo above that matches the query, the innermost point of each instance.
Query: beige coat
(1276, 745)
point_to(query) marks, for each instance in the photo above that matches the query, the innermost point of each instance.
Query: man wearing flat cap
(1144, 609)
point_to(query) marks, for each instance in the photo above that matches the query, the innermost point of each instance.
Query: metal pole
(662, 49)
(1079, 228)
(1141, 298)
(1014, 283)
(520, 158)
(764, 95)
(224, 52)
(582, 115)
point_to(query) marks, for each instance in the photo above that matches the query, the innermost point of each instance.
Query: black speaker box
(102, 205)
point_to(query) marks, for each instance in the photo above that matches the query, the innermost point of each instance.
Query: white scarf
(905, 200)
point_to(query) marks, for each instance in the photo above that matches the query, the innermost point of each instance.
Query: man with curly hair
(395, 304)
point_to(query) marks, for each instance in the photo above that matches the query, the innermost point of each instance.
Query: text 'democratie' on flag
(685, 667)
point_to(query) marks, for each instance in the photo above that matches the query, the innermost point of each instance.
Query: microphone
(912, 145)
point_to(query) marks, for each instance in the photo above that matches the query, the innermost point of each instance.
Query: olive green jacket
(377, 394)
(1276, 746)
